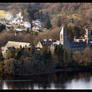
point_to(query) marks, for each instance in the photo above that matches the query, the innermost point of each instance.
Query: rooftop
(77, 44)
(17, 44)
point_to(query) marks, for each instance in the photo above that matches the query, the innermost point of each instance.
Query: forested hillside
(58, 13)
(78, 11)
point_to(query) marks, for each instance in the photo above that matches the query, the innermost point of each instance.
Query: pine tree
(58, 22)
(32, 49)
(47, 23)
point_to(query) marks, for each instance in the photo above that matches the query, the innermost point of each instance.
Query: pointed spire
(62, 35)
(62, 30)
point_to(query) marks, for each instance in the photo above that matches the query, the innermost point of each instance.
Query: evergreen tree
(47, 23)
(32, 49)
(58, 22)
(59, 53)
(70, 54)
(19, 53)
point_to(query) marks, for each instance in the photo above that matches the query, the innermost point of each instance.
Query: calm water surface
(53, 81)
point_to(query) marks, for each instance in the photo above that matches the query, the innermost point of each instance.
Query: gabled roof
(48, 43)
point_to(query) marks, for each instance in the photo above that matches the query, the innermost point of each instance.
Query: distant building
(3, 14)
(14, 44)
(27, 24)
(18, 19)
(37, 25)
(20, 29)
(20, 24)
(75, 44)
(49, 43)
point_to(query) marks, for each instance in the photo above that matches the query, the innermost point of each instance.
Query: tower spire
(62, 35)
(63, 38)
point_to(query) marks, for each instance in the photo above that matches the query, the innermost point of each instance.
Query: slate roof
(47, 43)
(77, 44)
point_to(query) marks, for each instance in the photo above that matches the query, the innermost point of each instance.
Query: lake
(62, 80)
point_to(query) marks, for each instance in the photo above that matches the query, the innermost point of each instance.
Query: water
(53, 82)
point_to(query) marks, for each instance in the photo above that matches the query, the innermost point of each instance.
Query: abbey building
(76, 44)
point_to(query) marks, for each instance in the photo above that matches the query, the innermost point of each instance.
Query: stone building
(49, 43)
(76, 44)
(14, 44)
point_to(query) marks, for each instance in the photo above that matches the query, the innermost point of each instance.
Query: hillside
(77, 11)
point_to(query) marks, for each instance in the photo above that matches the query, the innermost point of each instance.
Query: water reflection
(4, 86)
(53, 81)
(80, 84)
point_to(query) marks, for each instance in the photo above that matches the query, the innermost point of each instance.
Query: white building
(37, 25)
(27, 24)
(18, 19)
(9, 16)
(14, 44)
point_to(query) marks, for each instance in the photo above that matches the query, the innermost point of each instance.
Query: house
(35, 28)
(27, 24)
(20, 24)
(39, 45)
(49, 43)
(45, 42)
(14, 44)
(3, 14)
(37, 22)
(18, 19)
(37, 25)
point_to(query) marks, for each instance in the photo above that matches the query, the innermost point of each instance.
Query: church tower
(63, 39)
(62, 36)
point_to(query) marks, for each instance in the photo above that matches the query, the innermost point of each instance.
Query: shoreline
(56, 71)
